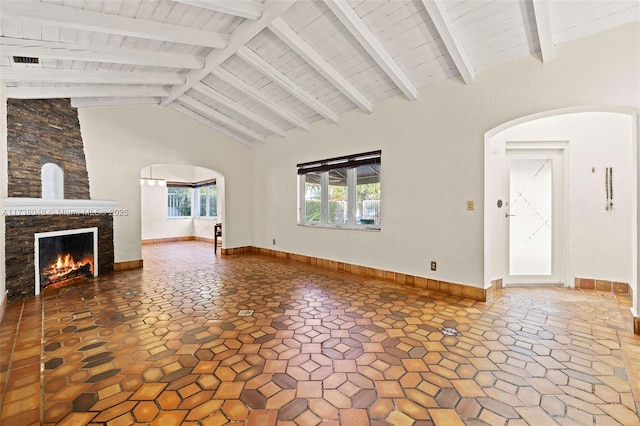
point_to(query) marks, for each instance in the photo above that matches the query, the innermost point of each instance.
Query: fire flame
(65, 263)
(66, 268)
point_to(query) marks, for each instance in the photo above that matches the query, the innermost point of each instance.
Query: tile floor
(165, 346)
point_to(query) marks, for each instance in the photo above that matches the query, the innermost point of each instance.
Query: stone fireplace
(48, 188)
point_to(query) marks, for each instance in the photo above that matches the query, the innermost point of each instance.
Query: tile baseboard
(452, 289)
(236, 250)
(601, 285)
(125, 266)
(168, 240)
(176, 239)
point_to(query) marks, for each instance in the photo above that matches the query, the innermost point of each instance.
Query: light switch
(471, 205)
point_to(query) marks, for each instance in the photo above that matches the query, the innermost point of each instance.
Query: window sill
(349, 227)
(213, 218)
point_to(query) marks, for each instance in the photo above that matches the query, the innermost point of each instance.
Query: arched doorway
(599, 233)
(180, 202)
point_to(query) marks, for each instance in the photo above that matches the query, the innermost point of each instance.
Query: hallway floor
(195, 338)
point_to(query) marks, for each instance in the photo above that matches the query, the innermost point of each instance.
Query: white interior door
(534, 216)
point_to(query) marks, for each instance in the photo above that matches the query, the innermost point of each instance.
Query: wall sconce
(151, 181)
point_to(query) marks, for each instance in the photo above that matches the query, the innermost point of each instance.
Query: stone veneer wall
(44, 131)
(20, 263)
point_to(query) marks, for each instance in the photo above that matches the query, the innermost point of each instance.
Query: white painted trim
(39, 235)
(635, 199)
(560, 111)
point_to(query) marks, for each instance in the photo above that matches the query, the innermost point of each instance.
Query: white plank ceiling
(254, 68)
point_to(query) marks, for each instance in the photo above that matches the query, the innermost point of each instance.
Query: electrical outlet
(471, 205)
(433, 265)
(274, 241)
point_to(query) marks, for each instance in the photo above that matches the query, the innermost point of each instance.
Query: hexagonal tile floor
(166, 345)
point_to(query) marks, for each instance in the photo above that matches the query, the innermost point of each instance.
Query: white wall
(599, 241)
(432, 158)
(120, 141)
(155, 223)
(3, 189)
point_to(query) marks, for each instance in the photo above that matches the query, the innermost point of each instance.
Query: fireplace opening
(65, 256)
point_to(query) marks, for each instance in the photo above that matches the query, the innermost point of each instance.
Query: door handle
(508, 215)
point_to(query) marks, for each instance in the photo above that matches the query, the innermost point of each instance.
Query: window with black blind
(341, 191)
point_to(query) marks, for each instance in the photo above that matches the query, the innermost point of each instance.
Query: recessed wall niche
(52, 178)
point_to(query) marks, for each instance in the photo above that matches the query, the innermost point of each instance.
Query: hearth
(65, 256)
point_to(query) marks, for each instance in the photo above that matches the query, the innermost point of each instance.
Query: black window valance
(347, 161)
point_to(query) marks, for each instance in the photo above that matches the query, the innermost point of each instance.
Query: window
(341, 192)
(312, 184)
(207, 200)
(201, 198)
(179, 200)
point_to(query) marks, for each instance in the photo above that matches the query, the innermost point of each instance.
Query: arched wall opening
(166, 217)
(601, 241)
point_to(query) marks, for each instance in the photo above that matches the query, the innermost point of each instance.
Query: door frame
(492, 277)
(558, 151)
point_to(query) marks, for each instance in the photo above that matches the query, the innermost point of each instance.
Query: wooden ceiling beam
(81, 19)
(219, 117)
(87, 91)
(350, 19)
(241, 35)
(230, 103)
(286, 83)
(207, 122)
(54, 75)
(108, 102)
(249, 9)
(313, 58)
(257, 96)
(450, 38)
(65, 51)
(545, 32)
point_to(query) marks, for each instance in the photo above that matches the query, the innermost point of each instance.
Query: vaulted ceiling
(253, 68)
